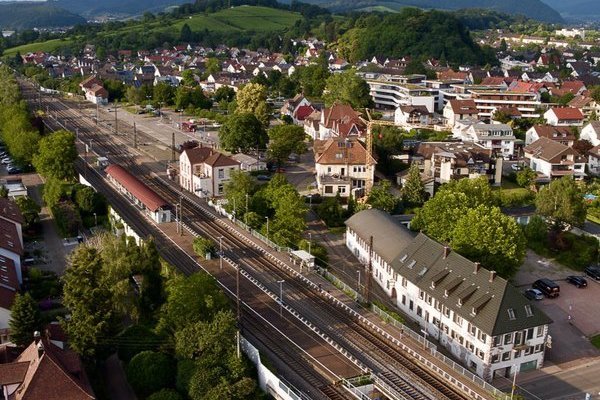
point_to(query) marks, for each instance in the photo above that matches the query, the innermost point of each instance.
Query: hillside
(535, 9)
(582, 10)
(226, 23)
(93, 8)
(35, 15)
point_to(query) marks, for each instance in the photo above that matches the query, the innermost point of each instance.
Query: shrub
(67, 218)
(515, 197)
(165, 394)
(149, 372)
(202, 246)
(134, 340)
(317, 250)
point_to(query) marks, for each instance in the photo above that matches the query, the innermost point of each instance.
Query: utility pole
(97, 112)
(134, 136)
(369, 266)
(173, 146)
(116, 119)
(181, 214)
(239, 312)
(246, 213)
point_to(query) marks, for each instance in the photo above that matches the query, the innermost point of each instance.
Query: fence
(341, 285)
(433, 348)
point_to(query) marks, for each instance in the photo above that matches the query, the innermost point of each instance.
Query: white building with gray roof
(485, 322)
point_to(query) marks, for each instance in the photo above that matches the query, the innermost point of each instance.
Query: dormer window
(528, 311)
(411, 264)
(511, 314)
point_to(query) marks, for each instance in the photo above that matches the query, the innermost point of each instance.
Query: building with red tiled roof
(204, 171)
(344, 166)
(139, 193)
(565, 116)
(561, 134)
(456, 110)
(44, 371)
(553, 160)
(340, 120)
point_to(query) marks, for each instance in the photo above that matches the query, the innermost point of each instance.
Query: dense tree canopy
(413, 190)
(252, 99)
(56, 156)
(382, 198)
(347, 88)
(285, 140)
(562, 202)
(24, 319)
(242, 132)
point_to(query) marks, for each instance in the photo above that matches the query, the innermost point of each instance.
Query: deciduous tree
(252, 99)
(29, 209)
(347, 88)
(56, 156)
(382, 198)
(562, 203)
(413, 191)
(150, 371)
(242, 132)
(285, 140)
(526, 177)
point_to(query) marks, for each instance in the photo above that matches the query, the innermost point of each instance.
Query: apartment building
(565, 116)
(497, 137)
(343, 166)
(553, 160)
(446, 161)
(561, 134)
(391, 93)
(488, 101)
(479, 317)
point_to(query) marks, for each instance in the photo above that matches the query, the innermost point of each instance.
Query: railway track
(388, 362)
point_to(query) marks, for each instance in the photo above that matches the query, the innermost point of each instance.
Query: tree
(477, 191)
(285, 140)
(207, 338)
(29, 209)
(85, 198)
(202, 246)
(242, 132)
(191, 299)
(439, 215)
(486, 235)
(87, 296)
(526, 177)
(413, 191)
(56, 156)
(163, 93)
(381, 197)
(224, 93)
(347, 88)
(165, 394)
(54, 191)
(149, 372)
(562, 203)
(24, 319)
(239, 185)
(313, 77)
(185, 34)
(3, 192)
(252, 99)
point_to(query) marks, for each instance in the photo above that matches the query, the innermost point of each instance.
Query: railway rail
(398, 372)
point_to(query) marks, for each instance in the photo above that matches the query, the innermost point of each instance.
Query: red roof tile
(569, 113)
(9, 237)
(9, 210)
(137, 188)
(304, 111)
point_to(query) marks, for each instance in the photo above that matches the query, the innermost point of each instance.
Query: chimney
(492, 276)
(37, 336)
(476, 268)
(40, 349)
(446, 251)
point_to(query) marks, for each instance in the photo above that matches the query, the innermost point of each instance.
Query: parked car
(577, 280)
(516, 167)
(547, 286)
(6, 160)
(14, 170)
(263, 177)
(593, 272)
(534, 294)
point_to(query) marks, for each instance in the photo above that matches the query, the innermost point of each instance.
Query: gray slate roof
(389, 236)
(464, 288)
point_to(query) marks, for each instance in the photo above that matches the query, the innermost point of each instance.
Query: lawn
(595, 340)
(47, 46)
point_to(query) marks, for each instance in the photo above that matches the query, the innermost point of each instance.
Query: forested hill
(535, 9)
(412, 32)
(580, 10)
(91, 8)
(35, 15)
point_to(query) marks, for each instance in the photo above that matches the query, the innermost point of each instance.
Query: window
(446, 311)
(518, 338)
(529, 333)
(472, 329)
(404, 299)
(495, 358)
(506, 356)
(341, 189)
(328, 170)
(458, 319)
(508, 338)
(479, 353)
(540, 331)
(220, 188)
(470, 346)
(404, 282)
(517, 354)
(421, 294)
(538, 348)
(419, 311)
(329, 189)
(528, 311)
(528, 350)
(221, 173)
(511, 314)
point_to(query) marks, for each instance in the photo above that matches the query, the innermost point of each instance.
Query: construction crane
(369, 143)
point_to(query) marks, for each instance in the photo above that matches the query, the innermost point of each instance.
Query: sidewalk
(114, 375)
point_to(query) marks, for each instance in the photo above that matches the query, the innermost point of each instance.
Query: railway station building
(153, 205)
(484, 321)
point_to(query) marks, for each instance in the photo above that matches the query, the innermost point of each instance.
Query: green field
(237, 19)
(243, 18)
(48, 46)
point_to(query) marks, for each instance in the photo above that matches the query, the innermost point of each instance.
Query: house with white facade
(553, 160)
(485, 322)
(249, 163)
(593, 164)
(447, 161)
(561, 134)
(344, 166)
(94, 91)
(204, 171)
(456, 110)
(591, 133)
(340, 120)
(497, 137)
(412, 116)
(564, 116)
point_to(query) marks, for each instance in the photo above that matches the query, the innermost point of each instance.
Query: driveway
(302, 173)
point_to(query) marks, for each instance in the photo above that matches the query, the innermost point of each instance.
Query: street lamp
(246, 213)
(358, 281)
(281, 296)
(95, 220)
(425, 334)
(220, 252)
(309, 241)
(514, 383)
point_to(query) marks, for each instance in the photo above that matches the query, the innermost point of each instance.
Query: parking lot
(573, 312)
